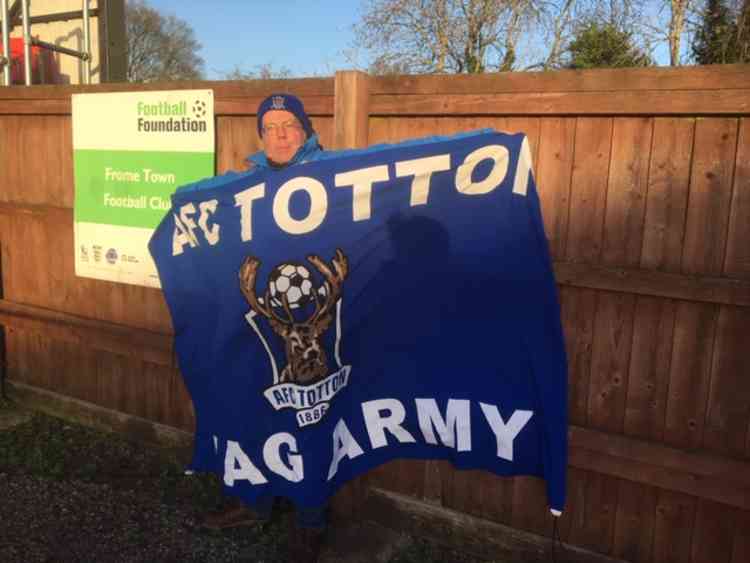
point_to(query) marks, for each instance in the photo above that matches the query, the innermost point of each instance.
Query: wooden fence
(644, 177)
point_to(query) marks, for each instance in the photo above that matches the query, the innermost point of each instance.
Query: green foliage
(723, 36)
(598, 45)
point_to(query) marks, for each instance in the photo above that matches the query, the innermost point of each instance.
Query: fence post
(351, 110)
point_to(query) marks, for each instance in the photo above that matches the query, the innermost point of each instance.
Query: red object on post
(43, 66)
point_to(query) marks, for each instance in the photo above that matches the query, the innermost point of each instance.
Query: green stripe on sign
(133, 188)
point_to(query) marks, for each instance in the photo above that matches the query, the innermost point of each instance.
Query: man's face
(282, 135)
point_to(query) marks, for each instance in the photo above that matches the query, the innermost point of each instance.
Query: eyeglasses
(292, 125)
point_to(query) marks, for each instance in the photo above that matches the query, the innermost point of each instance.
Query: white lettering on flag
(498, 154)
(361, 182)
(454, 429)
(422, 169)
(295, 470)
(344, 445)
(318, 205)
(505, 433)
(377, 422)
(244, 200)
(238, 467)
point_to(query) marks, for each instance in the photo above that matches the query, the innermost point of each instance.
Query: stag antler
(248, 273)
(334, 281)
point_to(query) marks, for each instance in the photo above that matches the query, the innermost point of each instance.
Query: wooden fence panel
(644, 182)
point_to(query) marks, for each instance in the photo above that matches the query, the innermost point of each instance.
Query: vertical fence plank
(588, 193)
(689, 374)
(673, 530)
(741, 544)
(713, 534)
(181, 413)
(496, 495)
(573, 516)
(156, 392)
(613, 334)
(668, 185)
(710, 195)
(737, 261)
(236, 139)
(651, 355)
(64, 144)
(378, 130)
(626, 191)
(75, 371)
(553, 175)
(596, 530)
(530, 507)
(634, 526)
(578, 307)
(323, 126)
(12, 165)
(729, 396)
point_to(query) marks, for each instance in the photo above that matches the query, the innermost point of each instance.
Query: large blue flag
(396, 302)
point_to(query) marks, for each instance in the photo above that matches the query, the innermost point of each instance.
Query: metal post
(26, 42)
(6, 41)
(86, 43)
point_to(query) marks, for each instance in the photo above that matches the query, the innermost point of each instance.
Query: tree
(743, 34)
(261, 72)
(604, 45)
(442, 36)
(723, 35)
(679, 9)
(558, 21)
(160, 47)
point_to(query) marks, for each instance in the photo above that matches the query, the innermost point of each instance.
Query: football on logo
(199, 108)
(294, 282)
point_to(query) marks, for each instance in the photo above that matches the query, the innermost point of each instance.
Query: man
(288, 138)
(287, 134)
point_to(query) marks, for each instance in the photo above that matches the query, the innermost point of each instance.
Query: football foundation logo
(300, 314)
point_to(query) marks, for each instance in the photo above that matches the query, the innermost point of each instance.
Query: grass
(56, 452)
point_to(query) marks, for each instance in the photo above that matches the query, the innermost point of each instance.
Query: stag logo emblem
(300, 314)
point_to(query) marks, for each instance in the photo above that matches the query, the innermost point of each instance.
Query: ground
(71, 493)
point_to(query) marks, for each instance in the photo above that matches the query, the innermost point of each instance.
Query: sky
(308, 37)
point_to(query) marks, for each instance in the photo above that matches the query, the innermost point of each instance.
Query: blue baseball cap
(285, 102)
